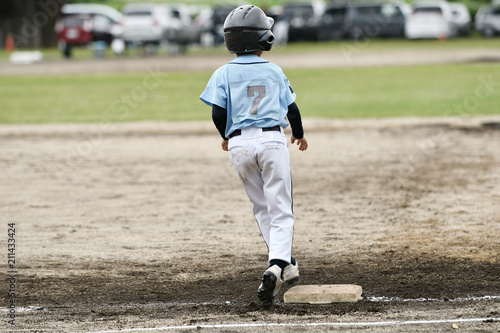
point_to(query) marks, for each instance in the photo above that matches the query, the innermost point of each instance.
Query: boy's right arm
(219, 116)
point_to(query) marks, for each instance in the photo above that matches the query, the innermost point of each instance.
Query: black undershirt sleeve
(295, 120)
(219, 116)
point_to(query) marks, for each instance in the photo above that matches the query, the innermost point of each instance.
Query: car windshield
(428, 10)
(72, 22)
(139, 13)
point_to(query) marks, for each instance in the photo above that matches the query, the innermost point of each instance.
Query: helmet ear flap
(266, 41)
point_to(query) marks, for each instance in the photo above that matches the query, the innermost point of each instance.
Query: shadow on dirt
(389, 275)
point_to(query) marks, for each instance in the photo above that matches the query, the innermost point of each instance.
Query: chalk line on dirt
(323, 324)
(424, 299)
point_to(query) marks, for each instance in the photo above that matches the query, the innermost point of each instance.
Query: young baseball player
(251, 99)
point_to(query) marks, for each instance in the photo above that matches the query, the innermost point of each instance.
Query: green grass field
(430, 90)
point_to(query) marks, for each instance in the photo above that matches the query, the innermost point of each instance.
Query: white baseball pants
(262, 162)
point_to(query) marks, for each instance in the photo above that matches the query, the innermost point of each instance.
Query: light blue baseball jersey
(254, 92)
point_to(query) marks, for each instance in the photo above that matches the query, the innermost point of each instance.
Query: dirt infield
(353, 56)
(146, 225)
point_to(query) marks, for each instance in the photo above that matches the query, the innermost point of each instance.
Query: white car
(430, 19)
(145, 23)
(92, 9)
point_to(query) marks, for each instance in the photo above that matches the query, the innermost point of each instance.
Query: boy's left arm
(295, 120)
(302, 143)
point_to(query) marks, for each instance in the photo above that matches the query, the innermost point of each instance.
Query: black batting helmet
(248, 29)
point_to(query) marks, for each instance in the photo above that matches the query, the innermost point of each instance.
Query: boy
(251, 99)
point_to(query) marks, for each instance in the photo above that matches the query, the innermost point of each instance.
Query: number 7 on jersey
(261, 93)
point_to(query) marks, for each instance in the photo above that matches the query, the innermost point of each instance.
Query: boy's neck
(257, 53)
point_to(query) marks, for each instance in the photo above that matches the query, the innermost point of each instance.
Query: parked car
(204, 25)
(487, 20)
(362, 20)
(303, 19)
(83, 24)
(281, 24)
(431, 19)
(187, 32)
(461, 17)
(106, 21)
(74, 30)
(146, 23)
(212, 22)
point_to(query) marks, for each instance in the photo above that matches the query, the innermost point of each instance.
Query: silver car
(487, 21)
(461, 17)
